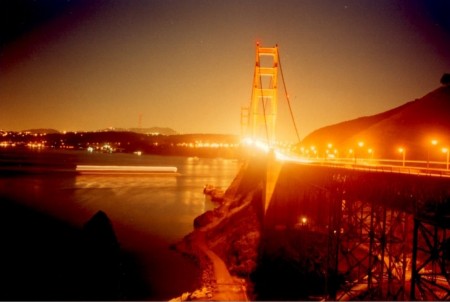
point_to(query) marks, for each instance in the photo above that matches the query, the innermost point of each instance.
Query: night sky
(92, 64)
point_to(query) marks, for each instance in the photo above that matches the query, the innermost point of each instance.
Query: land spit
(225, 241)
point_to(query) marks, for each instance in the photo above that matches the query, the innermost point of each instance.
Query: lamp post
(445, 150)
(328, 151)
(370, 151)
(360, 145)
(313, 150)
(403, 152)
(433, 143)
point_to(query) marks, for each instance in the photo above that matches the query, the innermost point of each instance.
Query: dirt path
(227, 288)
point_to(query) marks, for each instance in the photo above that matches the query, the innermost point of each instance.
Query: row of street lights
(402, 150)
(433, 142)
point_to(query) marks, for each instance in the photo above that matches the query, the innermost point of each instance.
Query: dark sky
(89, 65)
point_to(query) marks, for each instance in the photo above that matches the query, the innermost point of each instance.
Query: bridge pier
(273, 169)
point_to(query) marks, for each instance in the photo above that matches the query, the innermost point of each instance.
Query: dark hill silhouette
(412, 126)
(46, 259)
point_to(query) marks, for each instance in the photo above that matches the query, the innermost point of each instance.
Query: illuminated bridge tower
(263, 108)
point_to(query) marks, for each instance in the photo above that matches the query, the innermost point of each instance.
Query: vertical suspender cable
(287, 98)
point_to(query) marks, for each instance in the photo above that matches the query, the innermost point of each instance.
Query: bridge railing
(385, 166)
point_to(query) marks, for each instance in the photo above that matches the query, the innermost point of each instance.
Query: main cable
(287, 97)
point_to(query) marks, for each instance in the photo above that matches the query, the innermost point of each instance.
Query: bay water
(147, 212)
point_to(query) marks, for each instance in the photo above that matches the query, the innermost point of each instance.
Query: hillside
(412, 125)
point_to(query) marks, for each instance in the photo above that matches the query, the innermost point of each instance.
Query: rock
(203, 219)
(102, 259)
(201, 294)
(207, 189)
(445, 79)
(217, 195)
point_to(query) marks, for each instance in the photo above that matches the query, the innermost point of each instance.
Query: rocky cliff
(229, 234)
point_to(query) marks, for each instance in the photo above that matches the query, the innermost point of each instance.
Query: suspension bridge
(383, 226)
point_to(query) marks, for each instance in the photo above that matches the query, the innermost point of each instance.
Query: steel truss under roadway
(387, 232)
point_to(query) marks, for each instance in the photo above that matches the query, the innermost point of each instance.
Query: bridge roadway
(381, 227)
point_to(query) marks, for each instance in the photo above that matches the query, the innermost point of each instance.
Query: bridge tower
(263, 107)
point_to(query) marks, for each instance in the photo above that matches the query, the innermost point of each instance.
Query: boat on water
(113, 170)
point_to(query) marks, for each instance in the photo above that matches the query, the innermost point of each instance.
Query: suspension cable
(287, 97)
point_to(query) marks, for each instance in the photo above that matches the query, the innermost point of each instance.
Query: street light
(304, 220)
(360, 145)
(313, 150)
(433, 143)
(403, 151)
(328, 151)
(370, 151)
(445, 150)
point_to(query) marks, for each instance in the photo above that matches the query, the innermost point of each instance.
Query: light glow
(291, 158)
(93, 169)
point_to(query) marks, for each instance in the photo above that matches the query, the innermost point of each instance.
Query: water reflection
(121, 181)
(164, 204)
(148, 212)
